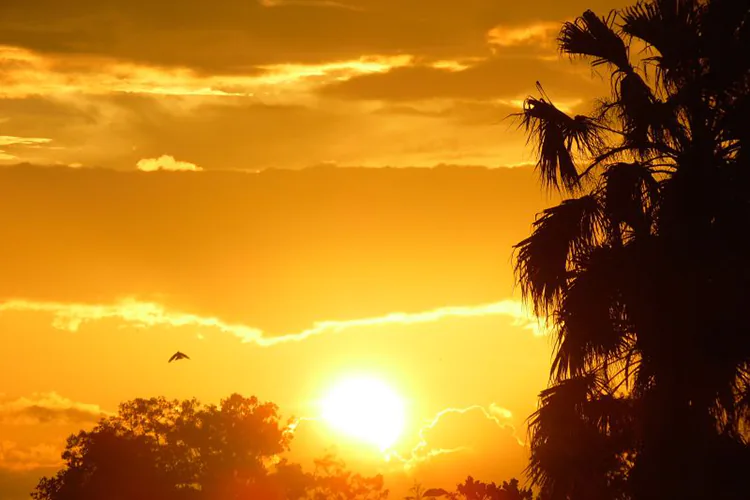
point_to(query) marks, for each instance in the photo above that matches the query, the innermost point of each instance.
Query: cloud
(236, 34)
(166, 162)
(308, 3)
(102, 111)
(444, 434)
(148, 314)
(292, 130)
(447, 446)
(47, 408)
(476, 440)
(279, 84)
(499, 77)
(14, 457)
(261, 245)
(18, 142)
(27, 74)
(6, 140)
(542, 34)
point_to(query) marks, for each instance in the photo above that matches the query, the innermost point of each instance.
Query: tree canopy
(472, 489)
(642, 270)
(183, 450)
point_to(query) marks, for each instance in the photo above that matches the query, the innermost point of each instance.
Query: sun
(366, 409)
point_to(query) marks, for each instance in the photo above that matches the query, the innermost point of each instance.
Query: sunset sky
(236, 180)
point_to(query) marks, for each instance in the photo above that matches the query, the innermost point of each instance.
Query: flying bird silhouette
(177, 356)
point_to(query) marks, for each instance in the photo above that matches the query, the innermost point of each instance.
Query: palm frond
(560, 234)
(642, 20)
(646, 123)
(733, 123)
(578, 439)
(590, 35)
(630, 196)
(556, 134)
(725, 44)
(635, 112)
(592, 321)
(634, 102)
(742, 401)
(671, 28)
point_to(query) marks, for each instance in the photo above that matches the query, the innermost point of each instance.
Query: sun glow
(366, 409)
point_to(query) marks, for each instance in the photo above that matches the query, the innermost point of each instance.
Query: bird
(177, 356)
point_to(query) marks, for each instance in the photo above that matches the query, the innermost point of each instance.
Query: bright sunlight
(366, 409)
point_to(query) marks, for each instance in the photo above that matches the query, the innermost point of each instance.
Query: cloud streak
(542, 34)
(149, 314)
(47, 408)
(27, 73)
(243, 34)
(18, 142)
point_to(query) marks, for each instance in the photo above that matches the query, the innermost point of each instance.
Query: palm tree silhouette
(644, 270)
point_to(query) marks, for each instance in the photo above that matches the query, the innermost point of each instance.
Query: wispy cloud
(8, 140)
(425, 449)
(38, 409)
(295, 423)
(18, 458)
(45, 408)
(542, 34)
(166, 162)
(28, 73)
(24, 142)
(70, 316)
(309, 3)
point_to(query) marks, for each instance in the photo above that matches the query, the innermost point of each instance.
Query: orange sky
(277, 282)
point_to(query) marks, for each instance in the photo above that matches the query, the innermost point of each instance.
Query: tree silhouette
(184, 450)
(643, 270)
(331, 481)
(417, 492)
(471, 489)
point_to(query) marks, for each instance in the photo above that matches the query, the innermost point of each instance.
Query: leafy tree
(104, 464)
(331, 481)
(643, 269)
(478, 490)
(183, 450)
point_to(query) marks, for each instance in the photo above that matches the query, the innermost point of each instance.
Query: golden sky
(193, 177)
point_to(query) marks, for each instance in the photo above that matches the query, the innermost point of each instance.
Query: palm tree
(644, 269)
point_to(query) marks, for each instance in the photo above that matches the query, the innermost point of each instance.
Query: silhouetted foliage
(184, 450)
(417, 492)
(478, 490)
(333, 482)
(644, 272)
